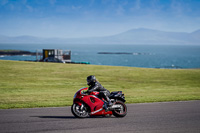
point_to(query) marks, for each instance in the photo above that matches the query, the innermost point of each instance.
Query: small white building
(56, 55)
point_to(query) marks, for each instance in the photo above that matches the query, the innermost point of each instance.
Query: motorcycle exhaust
(96, 111)
(116, 107)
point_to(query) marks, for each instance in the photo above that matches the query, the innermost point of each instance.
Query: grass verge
(34, 84)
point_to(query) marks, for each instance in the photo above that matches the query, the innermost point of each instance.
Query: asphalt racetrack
(166, 117)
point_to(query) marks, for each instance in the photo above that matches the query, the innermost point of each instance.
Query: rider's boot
(109, 102)
(105, 106)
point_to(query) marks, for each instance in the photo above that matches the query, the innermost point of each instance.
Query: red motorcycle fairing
(94, 93)
(95, 104)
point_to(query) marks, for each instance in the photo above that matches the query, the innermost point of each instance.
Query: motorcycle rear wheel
(78, 111)
(120, 112)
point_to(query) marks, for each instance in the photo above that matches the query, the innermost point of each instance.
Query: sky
(93, 18)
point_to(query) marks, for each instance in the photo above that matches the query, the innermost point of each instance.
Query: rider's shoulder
(97, 83)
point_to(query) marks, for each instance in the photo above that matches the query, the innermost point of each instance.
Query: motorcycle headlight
(75, 95)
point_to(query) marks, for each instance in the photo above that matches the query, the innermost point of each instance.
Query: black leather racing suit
(103, 93)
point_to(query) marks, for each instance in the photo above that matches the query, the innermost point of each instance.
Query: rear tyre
(120, 112)
(79, 111)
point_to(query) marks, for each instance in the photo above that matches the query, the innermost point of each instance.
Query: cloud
(96, 17)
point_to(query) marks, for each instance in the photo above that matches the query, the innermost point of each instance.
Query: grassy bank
(32, 84)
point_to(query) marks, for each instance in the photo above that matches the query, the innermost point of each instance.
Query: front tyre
(79, 111)
(120, 112)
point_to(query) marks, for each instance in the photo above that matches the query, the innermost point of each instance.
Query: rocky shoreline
(135, 53)
(16, 52)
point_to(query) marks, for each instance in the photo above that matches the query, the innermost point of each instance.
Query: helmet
(91, 79)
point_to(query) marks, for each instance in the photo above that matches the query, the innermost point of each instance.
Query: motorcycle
(85, 105)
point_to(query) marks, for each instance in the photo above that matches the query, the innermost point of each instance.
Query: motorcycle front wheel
(120, 112)
(79, 111)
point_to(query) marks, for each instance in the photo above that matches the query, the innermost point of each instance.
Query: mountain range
(134, 36)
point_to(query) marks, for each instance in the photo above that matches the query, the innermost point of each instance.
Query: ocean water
(147, 56)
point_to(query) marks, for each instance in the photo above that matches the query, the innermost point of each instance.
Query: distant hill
(134, 36)
(148, 36)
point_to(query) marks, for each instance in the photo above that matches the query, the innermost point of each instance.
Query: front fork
(82, 106)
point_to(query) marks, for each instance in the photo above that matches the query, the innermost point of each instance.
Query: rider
(94, 85)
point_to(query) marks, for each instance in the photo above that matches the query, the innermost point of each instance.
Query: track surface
(165, 117)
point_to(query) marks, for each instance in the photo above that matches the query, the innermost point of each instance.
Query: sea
(145, 56)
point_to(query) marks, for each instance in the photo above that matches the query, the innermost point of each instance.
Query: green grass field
(34, 84)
